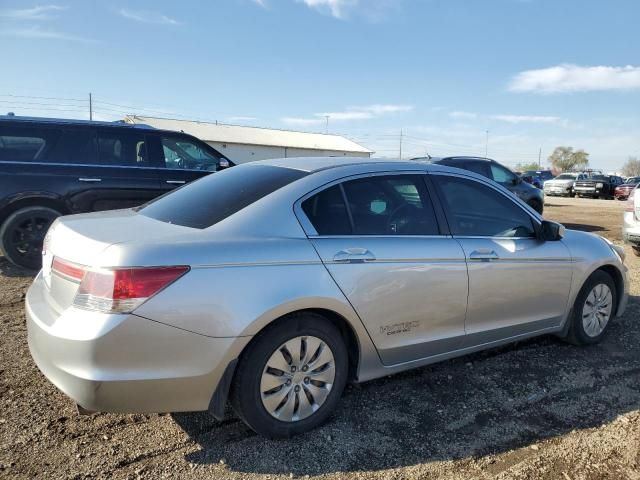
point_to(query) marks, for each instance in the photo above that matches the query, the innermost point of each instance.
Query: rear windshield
(219, 195)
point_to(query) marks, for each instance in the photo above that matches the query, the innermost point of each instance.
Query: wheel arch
(618, 281)
(38, 200)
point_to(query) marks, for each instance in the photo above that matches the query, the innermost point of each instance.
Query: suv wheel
(291, 378)
(22, 234)
(593, 309)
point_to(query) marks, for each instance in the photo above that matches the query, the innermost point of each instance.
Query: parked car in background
(631, 222)
(356, 269)
(563, 184)
(529, 194)
(597, 186)
(538, 177)
(622, 191)
(53, 167)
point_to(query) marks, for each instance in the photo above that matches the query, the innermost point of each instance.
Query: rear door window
(327, 212)
(376, 205)
(75, 145)
(122, 148)
(25, 144)
(215, 197)
(481, 168)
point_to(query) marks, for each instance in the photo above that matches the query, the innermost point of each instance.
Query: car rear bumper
(125, 363)
(630, 229)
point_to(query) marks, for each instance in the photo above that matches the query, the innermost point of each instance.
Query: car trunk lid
(76, 243)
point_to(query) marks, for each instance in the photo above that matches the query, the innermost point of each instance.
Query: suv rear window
(215, 197)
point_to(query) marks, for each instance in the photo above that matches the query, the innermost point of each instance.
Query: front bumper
(124, 363)
(557, 189)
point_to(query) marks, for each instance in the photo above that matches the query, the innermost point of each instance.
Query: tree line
(566, 159)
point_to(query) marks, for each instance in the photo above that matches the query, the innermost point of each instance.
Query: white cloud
(459, 115)
(301, 122)
(337, 8)
(42, 12)
(365, 112)
(241, 119)
(575, 78)
(148, 17)
(515, 119)
(261, 3)
(38, 33)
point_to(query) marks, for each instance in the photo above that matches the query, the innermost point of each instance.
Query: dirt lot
(539, 409)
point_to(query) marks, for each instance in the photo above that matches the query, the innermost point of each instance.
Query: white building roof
(223, 133)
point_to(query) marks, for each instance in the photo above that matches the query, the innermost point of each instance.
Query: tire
(536, 205)
(579, 333)
(636, 250)
(258, 386)
(22, 234)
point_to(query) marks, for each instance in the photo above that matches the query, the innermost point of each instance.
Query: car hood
(560, 182)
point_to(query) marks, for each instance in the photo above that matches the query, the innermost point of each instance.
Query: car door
(119, 176)
(518, 284)
(379, 239)
(183, 159)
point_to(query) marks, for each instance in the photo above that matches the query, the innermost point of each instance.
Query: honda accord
(272, 284)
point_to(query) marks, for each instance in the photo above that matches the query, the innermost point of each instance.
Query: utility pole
(90, 107)
(486, 145)
(539, 156)
(326, 117)
(400, 154)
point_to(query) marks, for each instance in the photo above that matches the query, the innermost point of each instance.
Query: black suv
(53, 167)
(598, 186)
(486, 167)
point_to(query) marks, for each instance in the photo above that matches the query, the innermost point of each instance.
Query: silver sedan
(271, 285)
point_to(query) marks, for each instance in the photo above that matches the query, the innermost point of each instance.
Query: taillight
(628, 207)
(122, 290)
(118, 290)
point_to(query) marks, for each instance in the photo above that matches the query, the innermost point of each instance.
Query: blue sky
(534, 73)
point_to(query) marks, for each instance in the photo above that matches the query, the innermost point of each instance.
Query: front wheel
(22, 234)
(290, 379)
(593, 309)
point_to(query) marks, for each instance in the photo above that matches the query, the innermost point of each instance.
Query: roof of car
(316, 164)
(68, 121)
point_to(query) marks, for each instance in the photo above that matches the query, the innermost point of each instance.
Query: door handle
(483, 254)
(176, 182)
(354, 255)
(90, 180)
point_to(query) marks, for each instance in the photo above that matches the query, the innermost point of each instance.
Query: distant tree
(632, 167)
(566, 159)
(523, 167)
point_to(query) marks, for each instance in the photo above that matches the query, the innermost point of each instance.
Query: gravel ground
(537, 409)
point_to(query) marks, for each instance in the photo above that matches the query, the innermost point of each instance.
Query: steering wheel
(393, 225)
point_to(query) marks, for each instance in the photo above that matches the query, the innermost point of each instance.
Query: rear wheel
(292, 376)
(22, 234)
(593, 309)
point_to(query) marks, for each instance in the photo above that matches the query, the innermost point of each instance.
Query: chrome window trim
(58, 164)
(310, 230)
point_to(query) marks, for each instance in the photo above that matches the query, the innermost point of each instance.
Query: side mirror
(516, 180)
(551, 231)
